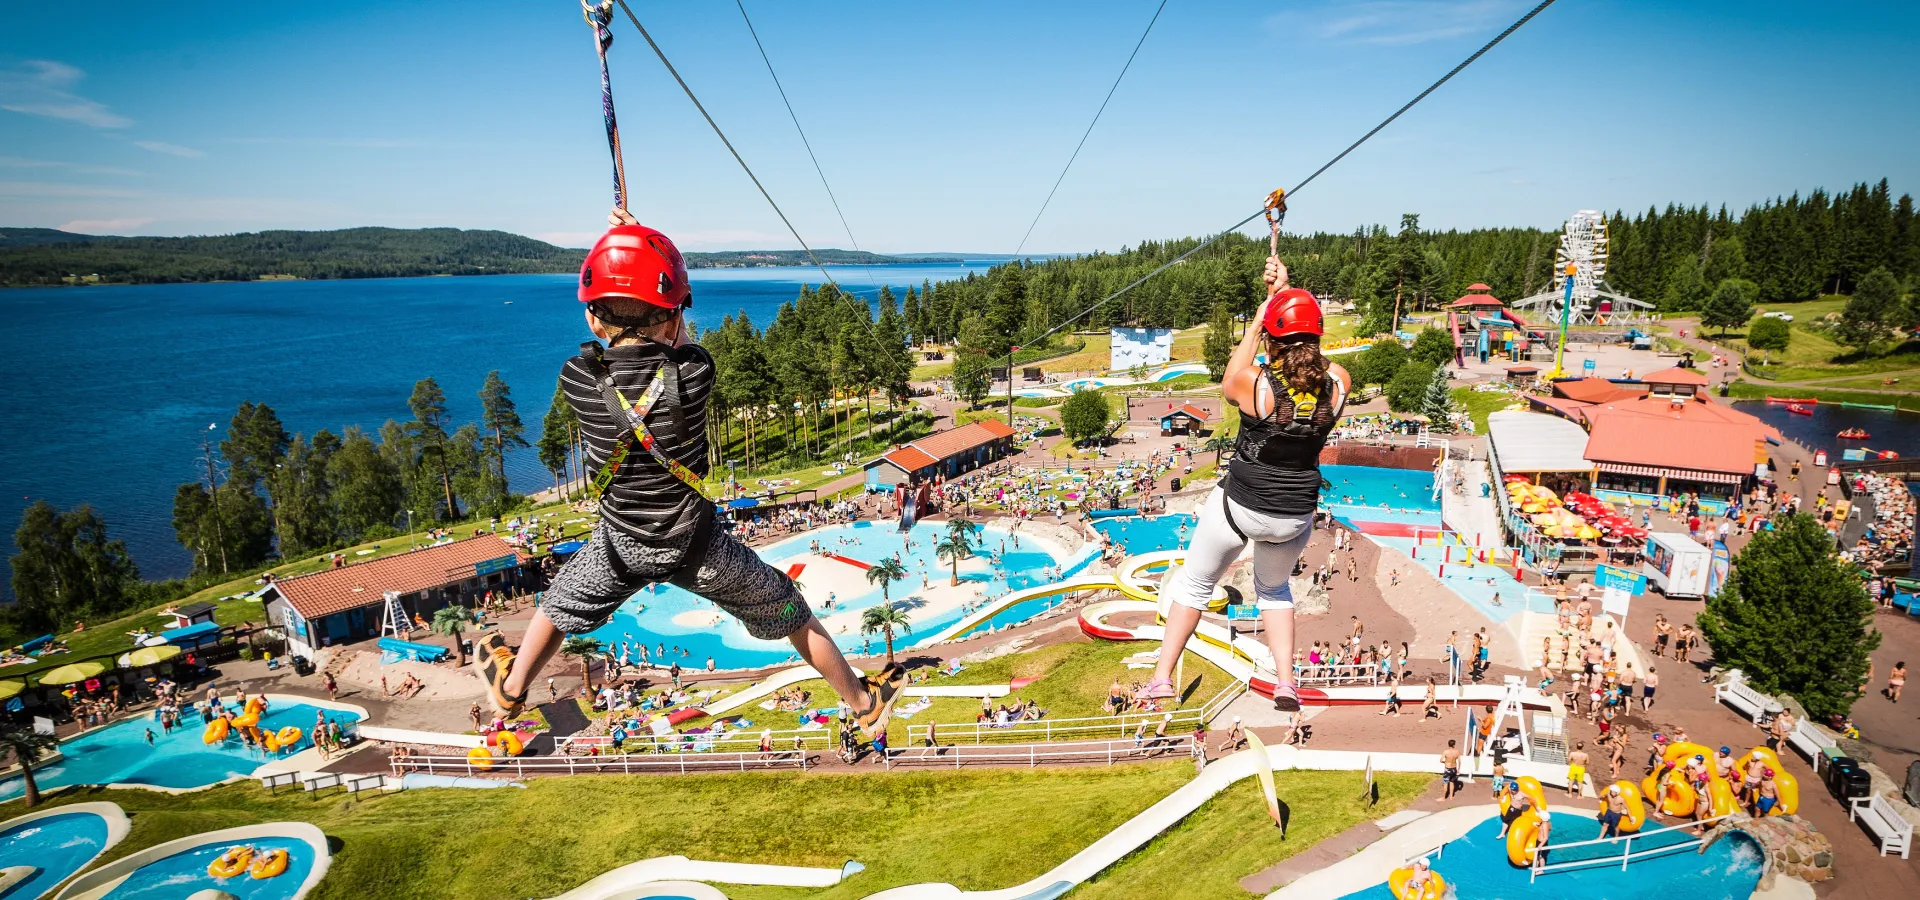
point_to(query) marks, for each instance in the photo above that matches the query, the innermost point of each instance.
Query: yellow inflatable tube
(232, 863)
(480, 758)
(247, 719)
(510, 742)
(1520, 839)
(271, 863)
(216, 732)
(289, 735)
(1635, 814)
(1435, 888)
(1528, 785)
(1673, 796)
(1787, 785)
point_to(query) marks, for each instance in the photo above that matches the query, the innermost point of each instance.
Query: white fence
(1119, 726)
(681, 763)
(1171, 746)
(1343, 673)
(681, 742)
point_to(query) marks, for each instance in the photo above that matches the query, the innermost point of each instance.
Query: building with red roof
(343, 604)
(1183, 419)
(943, 454)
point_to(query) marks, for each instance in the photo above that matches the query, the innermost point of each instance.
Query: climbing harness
(634, 415)
(599, 17)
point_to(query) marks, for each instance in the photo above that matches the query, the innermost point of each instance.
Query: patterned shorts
(614, 565)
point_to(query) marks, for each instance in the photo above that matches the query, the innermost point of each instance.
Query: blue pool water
(57, 845)
(1375, 494)
(1476, 866)
(1139, 535)
(648, 616)
(118, 753)
(184, 874)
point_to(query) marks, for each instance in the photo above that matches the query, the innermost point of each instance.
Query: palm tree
(586, 649)
(451, 620)
(1218, 444)
(954, 550)
(961, 529)
(884, 573)
(884, 619)
(27, 746)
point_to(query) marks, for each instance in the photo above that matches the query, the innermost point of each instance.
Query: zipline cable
(803, 134)
(736, 154)
(1510, 29)
(1096, 120)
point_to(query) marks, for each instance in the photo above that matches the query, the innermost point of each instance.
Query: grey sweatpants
(614, 565)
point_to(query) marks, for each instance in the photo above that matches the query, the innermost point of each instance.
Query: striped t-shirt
(645, 500)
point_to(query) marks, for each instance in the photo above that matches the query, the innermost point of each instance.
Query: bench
(1886, 823)
(358, 783)
(320, 781)
(1735, 693)
(1811, 741)
(276, 779)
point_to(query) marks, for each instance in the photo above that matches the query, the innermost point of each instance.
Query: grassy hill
(39, 256)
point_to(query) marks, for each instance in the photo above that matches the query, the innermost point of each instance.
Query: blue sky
(941, 126)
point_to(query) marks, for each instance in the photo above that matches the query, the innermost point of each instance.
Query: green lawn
(1812, 354)
(1481, 404)
(978, 829)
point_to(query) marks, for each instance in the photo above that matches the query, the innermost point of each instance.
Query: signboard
(1241, 611)
(1616, 601)
(1586, 365)
(1856, 454)
(1614, 578)
(496, 564)
(1141, 347)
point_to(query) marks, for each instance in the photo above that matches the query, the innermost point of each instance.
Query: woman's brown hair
(1301, 364)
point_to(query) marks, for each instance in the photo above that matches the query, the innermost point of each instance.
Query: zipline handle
(1276, 213)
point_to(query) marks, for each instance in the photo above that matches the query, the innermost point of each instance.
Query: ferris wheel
(1583, 246)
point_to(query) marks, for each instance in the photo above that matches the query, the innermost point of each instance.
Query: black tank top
(1276, 457)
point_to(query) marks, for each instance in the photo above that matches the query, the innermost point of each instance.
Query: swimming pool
(185, 873)
(1476, 866)
(1137, 535)
(57, 845)
(1372, 494)
(668, 615)
(118, 753)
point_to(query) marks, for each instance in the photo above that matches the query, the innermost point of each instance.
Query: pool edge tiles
(113, 828)
(106, 881)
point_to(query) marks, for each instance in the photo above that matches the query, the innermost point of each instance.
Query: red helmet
(636, 263)
(1293, 311)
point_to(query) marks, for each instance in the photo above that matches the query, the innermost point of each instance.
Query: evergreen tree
(303, 504)
(1218, 345)
(972, 357)
(556, 438)
(368, 493)
(1438, 403)
(429, 430)
(498, 416)
(255, 443)
(1794, 618)
(1730, 305)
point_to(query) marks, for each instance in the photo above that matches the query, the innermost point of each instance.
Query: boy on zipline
(642, 404)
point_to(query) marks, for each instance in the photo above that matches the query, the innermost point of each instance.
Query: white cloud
(20, 162)
(169, 149)
(1399, 22)
(41, 87)
(103, 226)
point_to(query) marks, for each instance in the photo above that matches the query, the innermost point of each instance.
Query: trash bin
(1176, 484)
(1847, 780)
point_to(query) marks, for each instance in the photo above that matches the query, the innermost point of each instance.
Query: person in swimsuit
(1450, 770)
(1576, 768)
(1647, 685)
(1769, 796)
(1896, 679)
(1612, 813)
(1288, 409)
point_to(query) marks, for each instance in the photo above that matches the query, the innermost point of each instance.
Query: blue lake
(167, 360)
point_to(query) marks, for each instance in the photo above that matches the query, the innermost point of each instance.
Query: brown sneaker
(882, 689)
(492, 660)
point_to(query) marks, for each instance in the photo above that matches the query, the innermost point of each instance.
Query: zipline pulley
(1276, 213)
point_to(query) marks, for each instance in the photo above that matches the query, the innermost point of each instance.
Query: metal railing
(683, 742)
(1129, 750)
(642, 764)
(1627, 855)
(1337, 673)
(1049, 729)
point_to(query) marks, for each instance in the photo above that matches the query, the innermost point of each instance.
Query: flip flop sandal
(492, 660)
(1159, 689)
(883, 689)
(1286, 697)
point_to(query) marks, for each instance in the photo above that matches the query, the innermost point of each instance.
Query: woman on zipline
(1288, 406)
